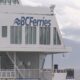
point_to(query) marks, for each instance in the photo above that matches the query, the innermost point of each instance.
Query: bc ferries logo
(31, 21)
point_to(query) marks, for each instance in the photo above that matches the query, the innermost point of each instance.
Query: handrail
(28, 73)
(7, 74)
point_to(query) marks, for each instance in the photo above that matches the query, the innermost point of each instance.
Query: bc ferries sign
(31, 21)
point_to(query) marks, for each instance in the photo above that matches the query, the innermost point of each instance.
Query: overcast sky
(67, 14)
(68, 18)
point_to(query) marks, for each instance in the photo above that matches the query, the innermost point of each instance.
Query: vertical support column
(23, 35)
(41, 60)
(52, 66)
(37, 35)
(0, 62)
(52, 62)
(15, 63)
(51, 36)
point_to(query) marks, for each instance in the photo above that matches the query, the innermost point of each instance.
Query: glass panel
(16, 34)
(12, 34)
(44, 35)
(26, 35)
(5, 59)
(4, 31)
(15, 1)
(34, 35)
(56, 39)
(41, 35)
(26, 61)
(9, 1)
(48, 35)
(30, 35)
(2, 1)
(20, 34)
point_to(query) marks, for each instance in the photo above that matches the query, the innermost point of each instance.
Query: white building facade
(27, 36)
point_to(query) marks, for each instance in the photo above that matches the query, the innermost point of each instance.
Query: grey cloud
(62, 17)
(75, 32)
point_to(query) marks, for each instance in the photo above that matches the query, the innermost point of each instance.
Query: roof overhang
(38, 49)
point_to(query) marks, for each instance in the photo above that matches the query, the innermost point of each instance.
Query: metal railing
(35, 74)
(43, 74)
(28, 73)
(7, 74)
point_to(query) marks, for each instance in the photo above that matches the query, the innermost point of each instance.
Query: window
(9, 1)
(70, 74)
(30, 35)
(1, 1)
(56, 39)
(5, 59)
(4, 31)
(15, 1)
(16, 35)
(44, 35)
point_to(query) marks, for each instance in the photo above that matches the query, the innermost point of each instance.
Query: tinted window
(4, 31)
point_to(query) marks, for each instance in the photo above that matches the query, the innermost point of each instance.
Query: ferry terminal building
(27, 36)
